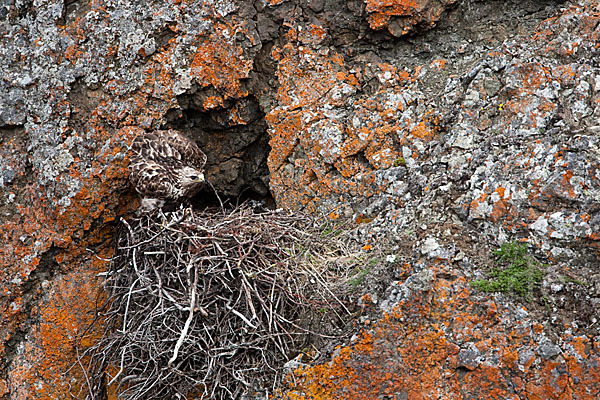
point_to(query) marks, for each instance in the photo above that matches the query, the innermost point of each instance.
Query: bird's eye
(194, 177)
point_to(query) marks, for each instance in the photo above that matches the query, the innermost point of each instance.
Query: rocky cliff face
(446, 127)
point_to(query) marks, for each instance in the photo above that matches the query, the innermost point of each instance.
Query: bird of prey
(165, 167)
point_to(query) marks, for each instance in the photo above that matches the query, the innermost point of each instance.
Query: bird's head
(191, 177)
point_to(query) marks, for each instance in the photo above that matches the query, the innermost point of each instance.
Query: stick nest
(212, 304)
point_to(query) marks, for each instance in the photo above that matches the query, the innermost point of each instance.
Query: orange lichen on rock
(65, 319)
(502, 208)
(427, 128)
(72, 301)
(557, 44)
(438, 64)
(411, 12)
(309, 80)
(382, 10)
(316, 127)
(435, 345)
(51, 230)
(393, 7)
(219, 62)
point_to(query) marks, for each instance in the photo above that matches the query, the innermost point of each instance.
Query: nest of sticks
(212, 304)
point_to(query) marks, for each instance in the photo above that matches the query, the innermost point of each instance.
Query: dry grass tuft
(212, 304)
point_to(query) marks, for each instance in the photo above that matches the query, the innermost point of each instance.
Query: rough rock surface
(437, 343)
(448, 126)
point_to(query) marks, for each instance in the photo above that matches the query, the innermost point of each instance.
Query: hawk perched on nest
(165, 167)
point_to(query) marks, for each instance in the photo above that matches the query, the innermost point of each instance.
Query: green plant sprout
(358, 279)
(518, 272)
(400, 161)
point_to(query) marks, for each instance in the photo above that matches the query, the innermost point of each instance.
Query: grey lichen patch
(56, 161)
(36, 94)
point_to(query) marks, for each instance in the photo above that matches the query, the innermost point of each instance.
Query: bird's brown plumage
(165, 166)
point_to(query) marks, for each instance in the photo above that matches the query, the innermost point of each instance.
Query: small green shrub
(400, 161)
(359, 277)
(373, 262)
(518, 272)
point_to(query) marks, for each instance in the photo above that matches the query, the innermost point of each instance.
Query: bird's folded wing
(169, 144)
(152, 179)
(190, 153)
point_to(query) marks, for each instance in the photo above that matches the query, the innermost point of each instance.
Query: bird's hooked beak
(200, 178)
